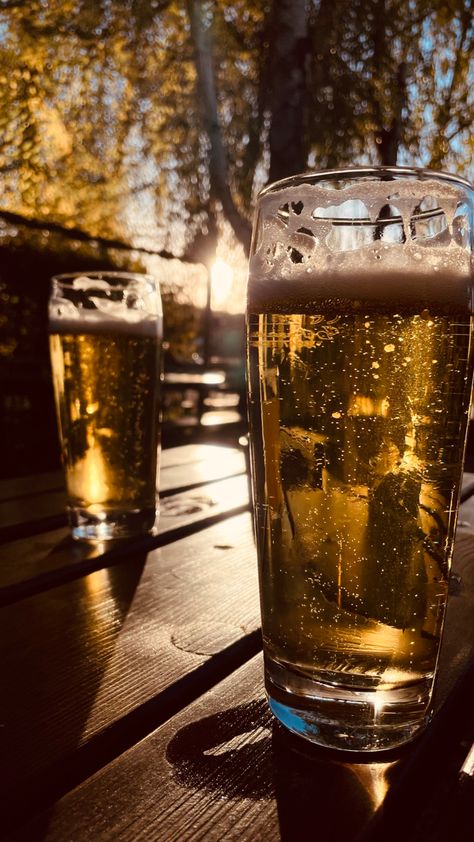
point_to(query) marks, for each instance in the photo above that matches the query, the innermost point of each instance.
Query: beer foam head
(151, 327)
(137, 310)
(316, 241)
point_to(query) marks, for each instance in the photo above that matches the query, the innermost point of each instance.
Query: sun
(222, 277)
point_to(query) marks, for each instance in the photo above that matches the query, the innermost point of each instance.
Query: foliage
(103, 125)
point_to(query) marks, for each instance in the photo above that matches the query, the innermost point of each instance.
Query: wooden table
(132, 702)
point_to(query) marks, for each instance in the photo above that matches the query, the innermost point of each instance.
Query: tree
(289, 88)
(450, 46)
(157, 122)
(218, 169)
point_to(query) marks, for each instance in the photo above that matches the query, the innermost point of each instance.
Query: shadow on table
(242, 753)
(65, 674)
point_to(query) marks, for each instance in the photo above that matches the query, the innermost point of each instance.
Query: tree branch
(84, 236)
(11, 4)
(220, 189)
(443, 112)
(387, 139)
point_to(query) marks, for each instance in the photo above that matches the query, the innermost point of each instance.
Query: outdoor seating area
(237, 421)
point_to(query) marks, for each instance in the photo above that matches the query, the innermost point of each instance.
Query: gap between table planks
(34, 504)
(235, 772)
(458, 654)
(50, 557)
(29, 565)
(223, 769)
(95, 664)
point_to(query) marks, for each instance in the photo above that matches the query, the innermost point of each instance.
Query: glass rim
(390, 173)
(367, 222)
(64, 278)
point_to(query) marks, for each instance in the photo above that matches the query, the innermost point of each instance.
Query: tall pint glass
(105, 342)
(359, 370)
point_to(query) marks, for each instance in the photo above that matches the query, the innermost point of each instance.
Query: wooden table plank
(82, 657)
(30, 561)
(223, 770)
(181, 468)
(25, 486)
(196, 464)
(96, 664)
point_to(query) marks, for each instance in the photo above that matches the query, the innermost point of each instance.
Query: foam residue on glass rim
(136, 313)
(295, 261)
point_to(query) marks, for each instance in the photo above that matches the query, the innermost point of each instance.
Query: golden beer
(106, 376)
(358, 424)
(359, 373)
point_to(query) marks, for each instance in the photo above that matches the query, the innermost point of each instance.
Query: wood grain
(15, 487)
(223, 769)
(196, 464)
(83, 658)
(93, 666)
(38, 503)
(30, 564)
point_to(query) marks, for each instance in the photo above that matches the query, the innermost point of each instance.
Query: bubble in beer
(337, 591)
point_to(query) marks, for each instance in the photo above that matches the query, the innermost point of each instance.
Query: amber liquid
(106, 389)
(358, 426)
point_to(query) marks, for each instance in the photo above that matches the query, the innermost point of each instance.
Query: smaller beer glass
(105, 343)
(359, 371)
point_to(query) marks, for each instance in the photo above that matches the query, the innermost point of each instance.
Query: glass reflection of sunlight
(222, 276)
(94, 485)
(88, 480)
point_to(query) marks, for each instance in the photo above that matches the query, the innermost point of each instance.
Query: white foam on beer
(97, 324)
(436, 270)
(85, 283)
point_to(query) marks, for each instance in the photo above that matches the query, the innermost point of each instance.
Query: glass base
(347, 718)
(110, 525)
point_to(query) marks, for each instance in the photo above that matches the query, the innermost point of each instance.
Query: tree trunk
(391, 137)
(386, 113)
(220, 189)
(288, 96)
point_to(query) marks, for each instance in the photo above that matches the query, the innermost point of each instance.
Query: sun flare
(222, 277)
